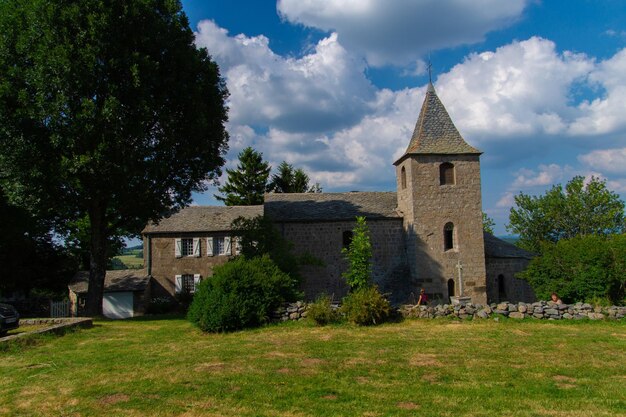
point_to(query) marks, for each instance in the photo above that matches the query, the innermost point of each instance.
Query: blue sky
(335, 86)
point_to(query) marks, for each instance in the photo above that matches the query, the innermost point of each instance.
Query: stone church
(428, 234)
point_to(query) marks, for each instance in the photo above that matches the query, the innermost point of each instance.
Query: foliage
(160, 305)
(366, 306)
(109, 112)
(577, 210)
(322, 312)
(246, 185)
(359, 256)
(258, 236)
(583, 268)
(241, 293)
(290, 180)
(488, 223)
(30, 260)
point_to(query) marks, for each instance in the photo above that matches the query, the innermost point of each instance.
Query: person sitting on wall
(423, 300)
(555, 298)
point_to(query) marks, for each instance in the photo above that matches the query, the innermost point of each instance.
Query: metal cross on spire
(430, 70)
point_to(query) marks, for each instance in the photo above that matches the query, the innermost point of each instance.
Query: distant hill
(509, 239)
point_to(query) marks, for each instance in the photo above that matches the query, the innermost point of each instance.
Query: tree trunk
(97, 260)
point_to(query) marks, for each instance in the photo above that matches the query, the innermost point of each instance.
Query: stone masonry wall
(545, 310)
(324, 240)
(164, 265)
(515, 289)
(427, 207)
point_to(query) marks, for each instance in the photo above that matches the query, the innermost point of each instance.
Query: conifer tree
(359, 257)
(290, 180)
(246, 185)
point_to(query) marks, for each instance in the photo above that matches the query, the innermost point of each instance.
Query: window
(448, 236)
(347, 238)
(403, 178)
(218, 245)
(187, 247)
(446, 174)
(450, 287)
(501, 288)
(186, 283)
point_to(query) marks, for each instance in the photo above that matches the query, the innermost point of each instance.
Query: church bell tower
(438, 182)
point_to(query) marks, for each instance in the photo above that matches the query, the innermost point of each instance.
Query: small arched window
(347, 238)
(501, 288)
(446, 174)
(448, 236)
(403, 178)
(450, 287)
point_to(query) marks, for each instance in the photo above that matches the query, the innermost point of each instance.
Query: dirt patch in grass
(430, 378)
(329, 397)
(424, 359)
(407, 405)
(211, 367)
(114, 399)
(564, 382)
(313, 361)
(284, 371)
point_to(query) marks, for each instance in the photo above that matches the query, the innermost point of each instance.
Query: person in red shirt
(423, 300)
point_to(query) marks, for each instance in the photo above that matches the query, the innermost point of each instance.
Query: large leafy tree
(109, 113)
(579, 209)
(291, 180)
(246, 185)
(583, 268)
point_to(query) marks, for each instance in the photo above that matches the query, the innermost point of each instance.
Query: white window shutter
(196, 281)
(196, 247)
(209, 246)
(238, 245)
(178, 281)
(178, 248)
(227, 249)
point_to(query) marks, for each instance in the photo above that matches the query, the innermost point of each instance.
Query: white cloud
(400, 32)
(506, 200)
(546, 175)
(324, 90)
(520, 89)
(606, 160)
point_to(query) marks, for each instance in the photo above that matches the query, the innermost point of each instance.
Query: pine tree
(290, 180)
(246, 185)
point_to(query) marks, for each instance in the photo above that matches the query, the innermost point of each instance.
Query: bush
(359, 257)
(160, 305)
(583, 268)
(322, 312)
(241, 293)
(366, 306)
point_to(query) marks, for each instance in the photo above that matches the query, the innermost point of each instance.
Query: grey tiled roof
(498, 248)
(330, 206)
(203, 219)
(435, 132)
(114, 281)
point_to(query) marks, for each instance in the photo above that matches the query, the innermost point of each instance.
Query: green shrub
(322, 312)
(241, 293)
(161, 305)
(366, 306)
(583, 268)
(359, 256)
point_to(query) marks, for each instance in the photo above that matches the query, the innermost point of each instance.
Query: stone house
(428, 234)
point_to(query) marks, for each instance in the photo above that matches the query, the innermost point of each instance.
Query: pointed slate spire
(434, 131)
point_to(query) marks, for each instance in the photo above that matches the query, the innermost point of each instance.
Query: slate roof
(330, 206)
(114, 281)
(498, 248)
(435, 132)
(203, 219)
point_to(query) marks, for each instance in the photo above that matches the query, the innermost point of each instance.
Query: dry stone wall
(544, 310)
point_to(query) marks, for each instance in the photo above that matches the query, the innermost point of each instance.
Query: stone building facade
(427, 235)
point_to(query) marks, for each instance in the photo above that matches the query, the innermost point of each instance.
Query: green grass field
(130, 259)
(167, 367)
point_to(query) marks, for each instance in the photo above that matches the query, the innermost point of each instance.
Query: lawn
(419, 367)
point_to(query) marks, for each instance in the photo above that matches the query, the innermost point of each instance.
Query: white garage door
(117, 305)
